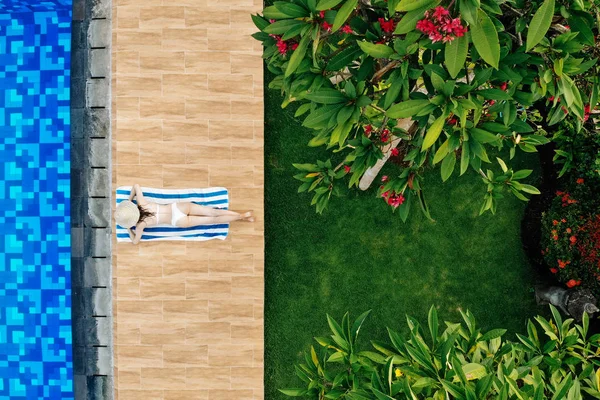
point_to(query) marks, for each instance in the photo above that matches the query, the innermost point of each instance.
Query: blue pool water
(35, 242)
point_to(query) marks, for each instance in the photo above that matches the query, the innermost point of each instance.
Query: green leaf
(320, 116)
(393, 91)
(293, 392)
(448, 166)
(494, 94)
(260, 22)
(482, 136)
(358, 324)
(409, 21)
(473, 371)
(376, 50)
(529, 189)
(432, 320)
(343, 58)
(327, 96)
(464, 157)
(298, 55)
(456, 55)
(522, 174)
(434, 132)
(281, 27)
(406, 109)
(410, 5)
(441, 152)
(485, 39)
(343, 14)
(327, 4)
(272, 12)
(291, 9)
(540, 23)
(493, 334)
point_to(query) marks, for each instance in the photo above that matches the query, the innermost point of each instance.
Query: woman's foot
(248, 216)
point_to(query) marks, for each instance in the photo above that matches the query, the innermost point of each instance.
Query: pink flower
(426, 26)
(322, 14)
(282, 46)
(326, 26)
(347, 169)
(384, 178)
(395, 200)
(387, 26)
(395, 152)
(347, 29)
(294, 46)
(440, 12)
(385, 194)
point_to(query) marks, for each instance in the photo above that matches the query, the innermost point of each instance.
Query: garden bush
(555, 360)
(455, 82)
(571, 227)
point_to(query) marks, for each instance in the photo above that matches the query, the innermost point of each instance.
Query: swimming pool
(35, 245)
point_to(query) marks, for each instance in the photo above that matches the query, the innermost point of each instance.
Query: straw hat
(127, 214)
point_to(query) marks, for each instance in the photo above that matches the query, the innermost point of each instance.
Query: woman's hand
(132, 192)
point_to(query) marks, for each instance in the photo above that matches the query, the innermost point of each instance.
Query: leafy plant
(433, 84)
(555, 360)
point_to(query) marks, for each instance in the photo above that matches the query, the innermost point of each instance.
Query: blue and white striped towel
(217, 197)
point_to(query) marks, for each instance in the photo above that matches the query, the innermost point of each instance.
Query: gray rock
(77, 152)
(99, 153)
(98, 182)
(78, 35)
(100, 9)
(98, 361)
(99, 63)
(100, 387)
(78, 92)
(78, 183)
(97, 302)
(99, 33)
(97, 121)
(97, 93)
(77, 124)
(98, 331)
(77, 242)
(98, 212)
(98, 242)
(97, 272)
(78, 61)
(78, 206)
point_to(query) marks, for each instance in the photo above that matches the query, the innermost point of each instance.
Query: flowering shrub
(460, 362)
(571, 235)
(467, 75)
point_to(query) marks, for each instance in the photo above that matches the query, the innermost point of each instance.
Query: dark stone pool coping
(91, 226)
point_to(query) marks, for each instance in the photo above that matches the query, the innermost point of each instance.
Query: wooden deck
(188, 113)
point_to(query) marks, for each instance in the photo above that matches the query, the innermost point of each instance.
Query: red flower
(326, 26)
(385, 135)
(553, 270)
(426, 26)
(384, 178)
(396, 200)
(503, 86)
(567, 27)
(387, 26)
(580, 181)
(554, 222)
(561, 264)
(395, 152)
(347, 169)
(568, 230)
(573, 239)
(492, 102)
(347, 29)
(282, 46)
(571, 283)
(452, 121)
(294, 46)
(551, 98)
(586, 112)
(322, 14)
(563, 220)
(440, 12)
(368, 130)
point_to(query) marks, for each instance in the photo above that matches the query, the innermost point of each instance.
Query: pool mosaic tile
(35, 243)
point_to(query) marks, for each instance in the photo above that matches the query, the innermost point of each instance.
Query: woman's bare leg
(199, 210)
(193, 220)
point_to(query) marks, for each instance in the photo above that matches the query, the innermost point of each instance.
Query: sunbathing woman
(183, 214)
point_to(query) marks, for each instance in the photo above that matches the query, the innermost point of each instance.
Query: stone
(100, 9)
(79, 360)
(78, 61)
(98, 331)
(98, 360)
(98, 212)
(78, 183)
(98, 182)
(97, 121)
(99, 63)
(77, 152)
(101, 302)
(80, 386)
(100, 387)
(78, 205)
(98, 242)
(78, 35)
(77, 242)
(99, 33)
(78, 10)
(77, 125)
(97, 93)
(99, 153)
(97, 272)
(77, 272)
(78, 92)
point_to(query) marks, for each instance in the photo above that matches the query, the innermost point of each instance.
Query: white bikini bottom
(176, 214)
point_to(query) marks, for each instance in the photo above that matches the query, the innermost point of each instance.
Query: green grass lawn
(359, 256)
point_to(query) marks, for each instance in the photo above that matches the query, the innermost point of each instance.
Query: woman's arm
(139, 231)
(141, 200)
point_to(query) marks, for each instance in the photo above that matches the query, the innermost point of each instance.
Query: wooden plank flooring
(188, 112)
